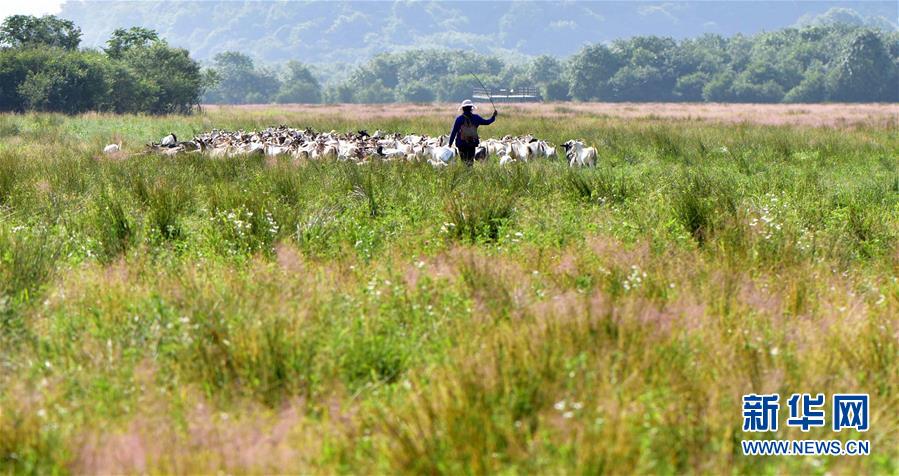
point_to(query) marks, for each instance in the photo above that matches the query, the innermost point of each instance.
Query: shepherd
(465, 131)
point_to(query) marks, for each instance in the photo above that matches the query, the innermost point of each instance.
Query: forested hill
(353, 31)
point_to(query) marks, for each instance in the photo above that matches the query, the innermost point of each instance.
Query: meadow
(196, 315)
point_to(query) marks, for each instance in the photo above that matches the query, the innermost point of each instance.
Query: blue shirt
(475, 119)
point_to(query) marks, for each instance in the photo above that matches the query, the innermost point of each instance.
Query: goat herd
(362, 147)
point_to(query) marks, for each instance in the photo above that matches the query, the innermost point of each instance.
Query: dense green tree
(339, 93)
(385, 69)
(22, 31)
(126, 93)
(420, 66)
(556, 90)
(744, 90)
(239, 82)
(462, 63)
(455, 88)
(706, 54)
(689, 87)
(14, 67)
(590, 70)
(811, 89)
(299, 85)
(375, 92)
(739, 52)
(134, 37)
(170, 81)
(50, 79)
(863, 72)
(67, 82)
(519, 79)
(422, 76)
(544, 69)
(647, 69)
(718, 89)
(416, 92)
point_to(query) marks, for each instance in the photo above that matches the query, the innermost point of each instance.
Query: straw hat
(467, 103)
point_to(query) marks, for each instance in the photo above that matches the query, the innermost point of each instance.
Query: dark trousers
(466, 151)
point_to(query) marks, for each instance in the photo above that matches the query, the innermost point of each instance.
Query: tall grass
(194, 315)
(115, 229)
(8, 172)
(478, 216)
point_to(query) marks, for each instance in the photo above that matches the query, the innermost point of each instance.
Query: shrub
(479, 216)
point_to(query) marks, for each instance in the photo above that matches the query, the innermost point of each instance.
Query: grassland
(194, 315)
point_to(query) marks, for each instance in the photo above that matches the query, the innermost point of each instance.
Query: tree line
(43, 69)
(839, 63)
(816, 63)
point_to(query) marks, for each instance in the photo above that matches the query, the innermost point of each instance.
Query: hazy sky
(29, 7)
(44, 7)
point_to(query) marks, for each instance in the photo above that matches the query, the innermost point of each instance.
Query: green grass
(195, 315)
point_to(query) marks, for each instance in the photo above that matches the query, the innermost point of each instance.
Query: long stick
(486, 91)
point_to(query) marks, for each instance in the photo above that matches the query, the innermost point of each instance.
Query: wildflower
(560, 405)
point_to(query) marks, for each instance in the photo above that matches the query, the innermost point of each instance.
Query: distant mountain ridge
(353, 31)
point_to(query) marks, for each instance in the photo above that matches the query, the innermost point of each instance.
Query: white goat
(393, 153)
(521, 151)
(543, 149)
(578, 155)
(494, 147)
(276, 150)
